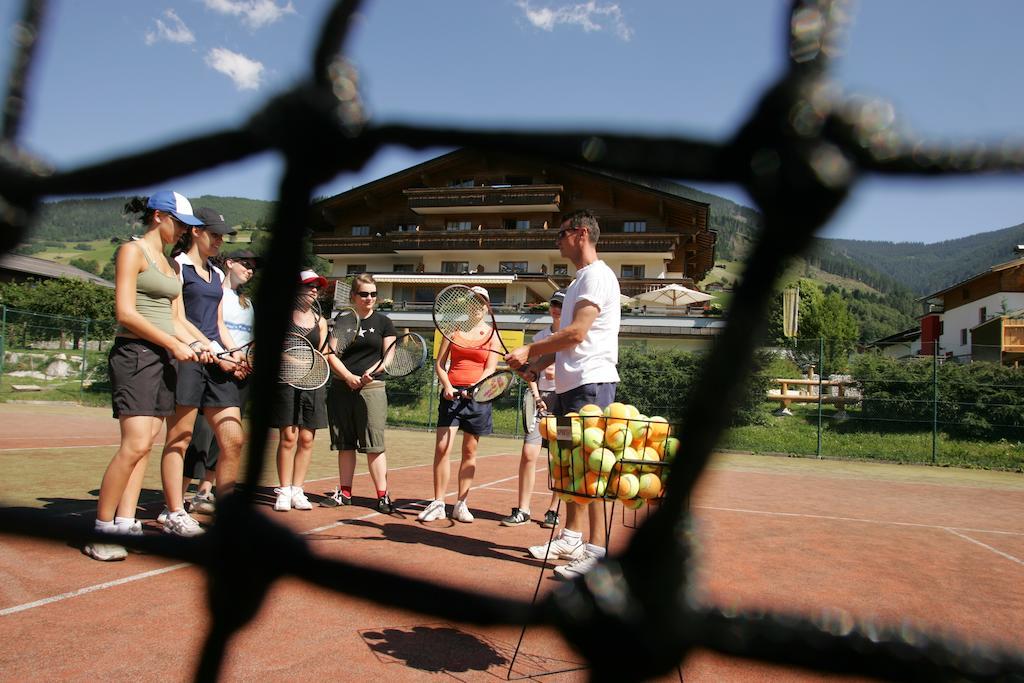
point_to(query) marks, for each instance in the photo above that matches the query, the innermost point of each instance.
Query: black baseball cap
(243, 255)
(213, 221)
(558, 297)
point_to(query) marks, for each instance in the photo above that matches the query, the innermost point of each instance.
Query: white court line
(91, 589)
(857, 519)
(985, 546)
(156, 572)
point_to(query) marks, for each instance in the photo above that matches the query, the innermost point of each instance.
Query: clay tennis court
(941, 548)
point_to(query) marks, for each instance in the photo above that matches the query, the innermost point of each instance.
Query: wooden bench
(786, 396)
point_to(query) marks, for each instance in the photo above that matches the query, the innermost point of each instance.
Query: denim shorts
(465, 413)
(600, 394)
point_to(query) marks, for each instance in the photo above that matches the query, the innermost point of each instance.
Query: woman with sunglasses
(210, 385)
(150, 343)
(357, 402)
(239, 318)
(298, 413)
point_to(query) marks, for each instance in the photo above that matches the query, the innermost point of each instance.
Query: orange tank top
(466, 366)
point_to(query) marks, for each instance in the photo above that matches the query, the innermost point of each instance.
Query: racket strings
(346, 328)
(407, 356)
(492, 387)
(317, 375)
(462, 317)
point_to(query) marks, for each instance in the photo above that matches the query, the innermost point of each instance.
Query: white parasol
(673, 295)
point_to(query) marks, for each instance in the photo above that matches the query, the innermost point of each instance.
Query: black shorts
(203, 450)
(465, 413)
(206, 386)
(357, 418)
(600, 394)
(299, 408)
(143, 376)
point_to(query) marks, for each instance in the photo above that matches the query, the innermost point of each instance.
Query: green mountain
(83, 220)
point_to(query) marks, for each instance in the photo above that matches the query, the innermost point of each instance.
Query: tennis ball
(634, 412)
(633, 503)
(629, 486)
(659, 427)
(567, 498)
(650, 485)
(641, 432)
(592, 415)
(648, 454)
(602, 460)
(616, 436)
(593, 437)
(671, 449)
(577, 462)
(594, 484)
(616, 413)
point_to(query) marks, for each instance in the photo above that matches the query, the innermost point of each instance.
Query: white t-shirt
(595, 358)
(238, 320)
(543, 383)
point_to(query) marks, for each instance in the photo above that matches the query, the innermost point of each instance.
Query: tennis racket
(531, 412)
(404, 356)
(466, 319)
(344, 330)
(302, 366)
(491, 387)
(248, 349)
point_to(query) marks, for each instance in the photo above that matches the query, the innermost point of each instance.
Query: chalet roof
(907, 335)
(1016, 263)
(668, 187)
(29, 265)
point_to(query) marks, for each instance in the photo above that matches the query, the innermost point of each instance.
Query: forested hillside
(82, 220)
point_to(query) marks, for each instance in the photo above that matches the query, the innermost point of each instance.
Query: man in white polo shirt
(586, 351)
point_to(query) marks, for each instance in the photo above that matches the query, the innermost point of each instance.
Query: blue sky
(116, 75)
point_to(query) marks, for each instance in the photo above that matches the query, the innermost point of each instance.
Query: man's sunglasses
(565, 231)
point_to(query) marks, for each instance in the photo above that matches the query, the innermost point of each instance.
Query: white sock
(123, 522)
(596, 550)
(286, 489)
(106, 527)
(525, 510)
(572, 536)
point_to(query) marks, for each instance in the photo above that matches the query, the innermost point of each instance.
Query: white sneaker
(433, 512)
(106, 552)
(560, 548)
(284, 499)
(460, 511)
(299, 500)
(203, 503)
(181, 524)
(162, 517)
(577, 567)
(133, 528)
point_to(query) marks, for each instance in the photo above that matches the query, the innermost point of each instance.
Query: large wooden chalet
(488, 218)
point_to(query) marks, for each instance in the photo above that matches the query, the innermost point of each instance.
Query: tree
(64, 296)
(822, 316)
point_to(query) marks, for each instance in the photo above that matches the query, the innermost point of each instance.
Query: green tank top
(154, 292)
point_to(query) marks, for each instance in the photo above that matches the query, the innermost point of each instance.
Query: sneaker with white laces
(299, 500)
(577, 567)
(106, 552)
(560, 548)
(516, 518)
(460, 511)
(284, 499)
(162, 517)
(203, 503)
(384, 505)
(433, 512)
(181, 524)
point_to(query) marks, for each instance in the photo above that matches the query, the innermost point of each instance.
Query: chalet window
(360, 230)
(454, 267)
(355, 269)
(516, 224)
(403, 268)
(634, 226)
(963, 337)
(942, 327)
(633, 272)
(408, 227)
(560, 269)
(461, 182)
(496, 295)
(513, 267)
(456, 226)
(983, 314)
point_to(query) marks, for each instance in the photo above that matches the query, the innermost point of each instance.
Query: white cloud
(590, 16)
(246, 73)
(174, 31)
(255, 13)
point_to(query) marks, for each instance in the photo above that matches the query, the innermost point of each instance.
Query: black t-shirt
(368, 348)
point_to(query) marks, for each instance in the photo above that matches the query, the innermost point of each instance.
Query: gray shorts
(357, 418)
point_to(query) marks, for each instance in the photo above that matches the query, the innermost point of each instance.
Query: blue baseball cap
(175, 204)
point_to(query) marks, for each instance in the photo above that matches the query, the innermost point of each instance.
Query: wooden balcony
(485, 199)
(1013, 336)
(518, 240)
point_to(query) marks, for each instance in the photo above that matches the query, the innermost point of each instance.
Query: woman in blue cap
(150, 343)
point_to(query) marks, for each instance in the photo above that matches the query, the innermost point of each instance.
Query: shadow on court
(434, 537)
(435, 649)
